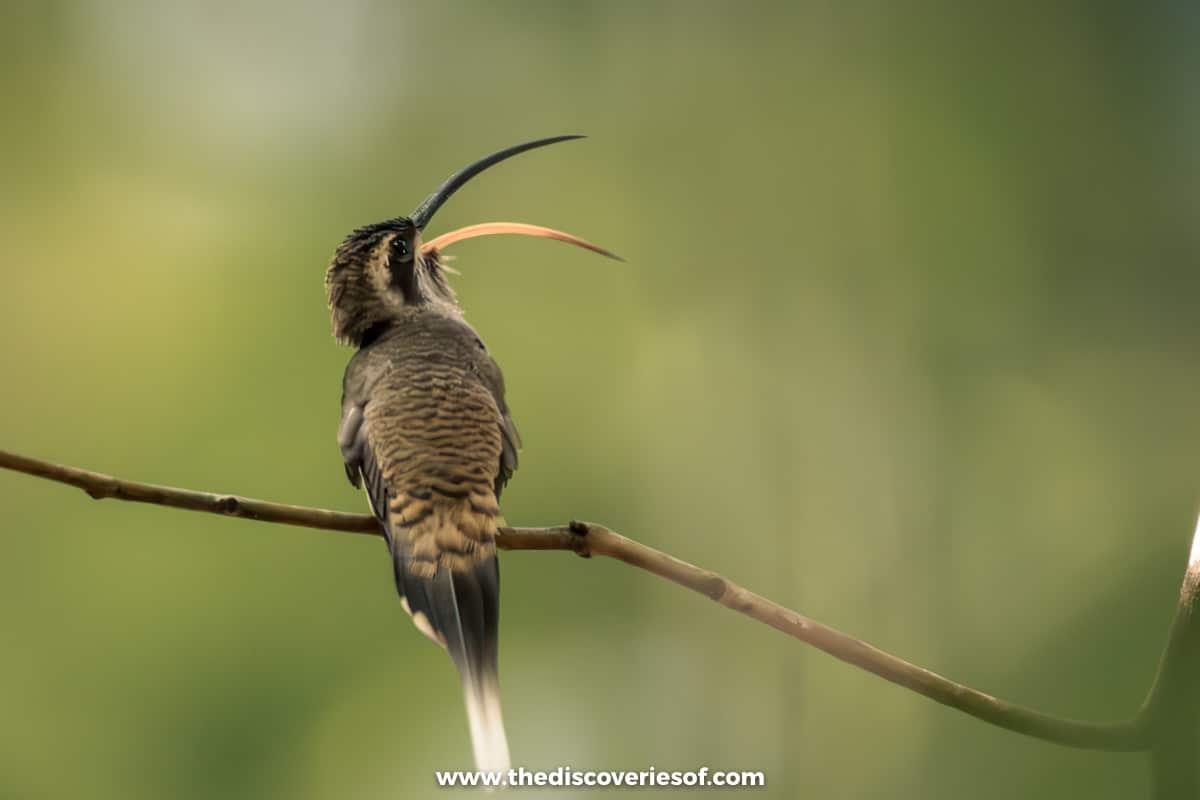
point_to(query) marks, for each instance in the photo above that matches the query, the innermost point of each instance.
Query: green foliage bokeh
(906, 340)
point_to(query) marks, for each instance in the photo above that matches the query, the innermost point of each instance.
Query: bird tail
(457, 605)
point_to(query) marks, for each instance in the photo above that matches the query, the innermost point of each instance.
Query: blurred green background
(907, 340)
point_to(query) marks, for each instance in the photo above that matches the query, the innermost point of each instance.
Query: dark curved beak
(427, 209)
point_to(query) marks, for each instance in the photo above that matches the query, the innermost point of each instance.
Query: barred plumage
(438, 442)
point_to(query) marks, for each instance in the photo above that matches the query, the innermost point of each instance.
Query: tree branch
(1172, 709)
(1171, 706)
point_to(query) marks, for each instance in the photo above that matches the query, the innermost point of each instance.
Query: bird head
(381, 270)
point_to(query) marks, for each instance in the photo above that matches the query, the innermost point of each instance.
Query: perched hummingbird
(426, 431)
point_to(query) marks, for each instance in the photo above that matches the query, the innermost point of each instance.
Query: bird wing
(361, 467)
(510, 442)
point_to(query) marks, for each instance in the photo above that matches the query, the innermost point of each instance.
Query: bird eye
(401, 247)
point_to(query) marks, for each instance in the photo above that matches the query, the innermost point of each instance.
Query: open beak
(517, 228)
(431, 204)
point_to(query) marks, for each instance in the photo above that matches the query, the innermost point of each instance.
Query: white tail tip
(487, 727)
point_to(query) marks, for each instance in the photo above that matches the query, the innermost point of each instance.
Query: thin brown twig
(588, 539)
(1172, 708)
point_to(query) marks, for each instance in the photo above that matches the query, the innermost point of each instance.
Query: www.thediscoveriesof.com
(565, 776)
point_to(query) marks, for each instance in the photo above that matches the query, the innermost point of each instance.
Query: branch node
(103, 489)
(579, 542)
(229, 504)
(714, 587)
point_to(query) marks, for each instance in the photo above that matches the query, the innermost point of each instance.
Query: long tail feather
(460, 611)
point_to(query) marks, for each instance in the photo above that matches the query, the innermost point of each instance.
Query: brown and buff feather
(437, 441)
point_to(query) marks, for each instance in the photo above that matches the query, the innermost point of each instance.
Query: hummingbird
(426, 432)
